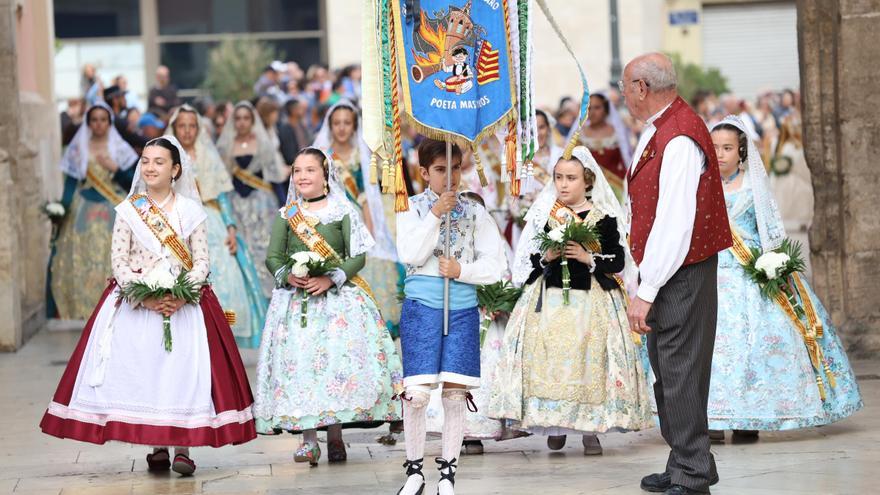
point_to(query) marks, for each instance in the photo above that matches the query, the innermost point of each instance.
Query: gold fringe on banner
(478, 162)
(386, 188)
(401, 202)
(374, 179)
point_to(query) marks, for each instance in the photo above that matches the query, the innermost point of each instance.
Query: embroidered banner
(456, 71)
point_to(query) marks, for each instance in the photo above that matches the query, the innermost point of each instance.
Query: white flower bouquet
(773, 269)
(161, 282)
(308, 264)
(556, 239)
(54, 210)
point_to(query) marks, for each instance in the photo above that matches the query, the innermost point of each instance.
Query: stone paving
(836, 459)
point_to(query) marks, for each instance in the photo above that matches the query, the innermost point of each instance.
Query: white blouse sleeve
(120, 249)
(416, 236)
(198, 241)
(670, 238)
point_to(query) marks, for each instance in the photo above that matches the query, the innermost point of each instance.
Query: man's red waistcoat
(711, 232)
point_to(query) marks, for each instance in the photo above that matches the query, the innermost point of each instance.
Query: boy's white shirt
(481, 254)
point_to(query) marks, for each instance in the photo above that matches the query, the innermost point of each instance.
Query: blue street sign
(683, 17)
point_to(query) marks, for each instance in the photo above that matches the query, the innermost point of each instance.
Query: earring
(326, 188)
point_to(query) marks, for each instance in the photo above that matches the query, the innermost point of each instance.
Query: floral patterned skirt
(81, 265)
(572, 368)
(341, 368)
(385, 278)
(762, 378)
(255, 214)
(227, 279)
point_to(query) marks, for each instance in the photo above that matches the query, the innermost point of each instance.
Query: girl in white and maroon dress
(120, 383)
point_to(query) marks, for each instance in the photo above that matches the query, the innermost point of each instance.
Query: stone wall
(840, 84)
(28, 143)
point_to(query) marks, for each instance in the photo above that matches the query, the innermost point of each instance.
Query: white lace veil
(770, 226)
(603, 200)
(213, 178)
(184, 186)
(75, 161)
(338, 205)
(385, 244)
(188, 204)
(265, 160)
(621, 130)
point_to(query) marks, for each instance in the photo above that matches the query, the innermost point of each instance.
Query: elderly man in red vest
(678, 224)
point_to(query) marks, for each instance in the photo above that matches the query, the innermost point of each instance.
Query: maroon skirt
(230, 392)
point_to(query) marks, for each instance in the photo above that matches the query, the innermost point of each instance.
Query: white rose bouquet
(54, 210)
(772, 270)
(556, 239)
(161, 282)
(308, 264)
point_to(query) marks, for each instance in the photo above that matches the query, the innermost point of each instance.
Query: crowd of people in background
(298, 100)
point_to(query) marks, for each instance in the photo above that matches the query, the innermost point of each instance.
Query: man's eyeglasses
(620, 85)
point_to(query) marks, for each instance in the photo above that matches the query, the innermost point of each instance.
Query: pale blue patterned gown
(762, 378)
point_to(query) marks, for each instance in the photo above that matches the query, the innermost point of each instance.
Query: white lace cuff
(281, 277)
(338, 277)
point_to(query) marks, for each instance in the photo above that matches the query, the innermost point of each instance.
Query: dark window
(96, 18)
(236, 16)
(188, 62)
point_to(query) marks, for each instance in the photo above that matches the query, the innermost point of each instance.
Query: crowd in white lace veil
(531, 185)
(213, 177)
(620, 130)
(770, 226)
(188, 203)
(385, 244)
(75, 161)
(265, 160)
(603, 199)
(338, 205)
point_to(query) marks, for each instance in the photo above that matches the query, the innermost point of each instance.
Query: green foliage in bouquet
(308, 264)
(579, 232)
(771, 270)
(500, 297)
(179, 288)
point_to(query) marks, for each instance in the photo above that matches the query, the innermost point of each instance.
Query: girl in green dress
(338, 365)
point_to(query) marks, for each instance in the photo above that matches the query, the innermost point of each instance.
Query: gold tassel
(374, 179)
(830, 375)
(821, 386)
(230, 317)
(401, 198)
(392, 173)
(481, 173)
(510, 155)
(385, 176)
(515, 187)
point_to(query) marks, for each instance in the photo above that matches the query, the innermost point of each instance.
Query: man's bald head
(655, 69)
(649, 84)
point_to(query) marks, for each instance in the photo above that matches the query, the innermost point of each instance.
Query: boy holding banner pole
(445, 261)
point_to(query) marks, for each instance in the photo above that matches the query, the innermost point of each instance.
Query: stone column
(10, 285)
(840, 78)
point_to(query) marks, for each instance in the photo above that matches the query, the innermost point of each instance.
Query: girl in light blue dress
(233, 272)
(762, 375)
